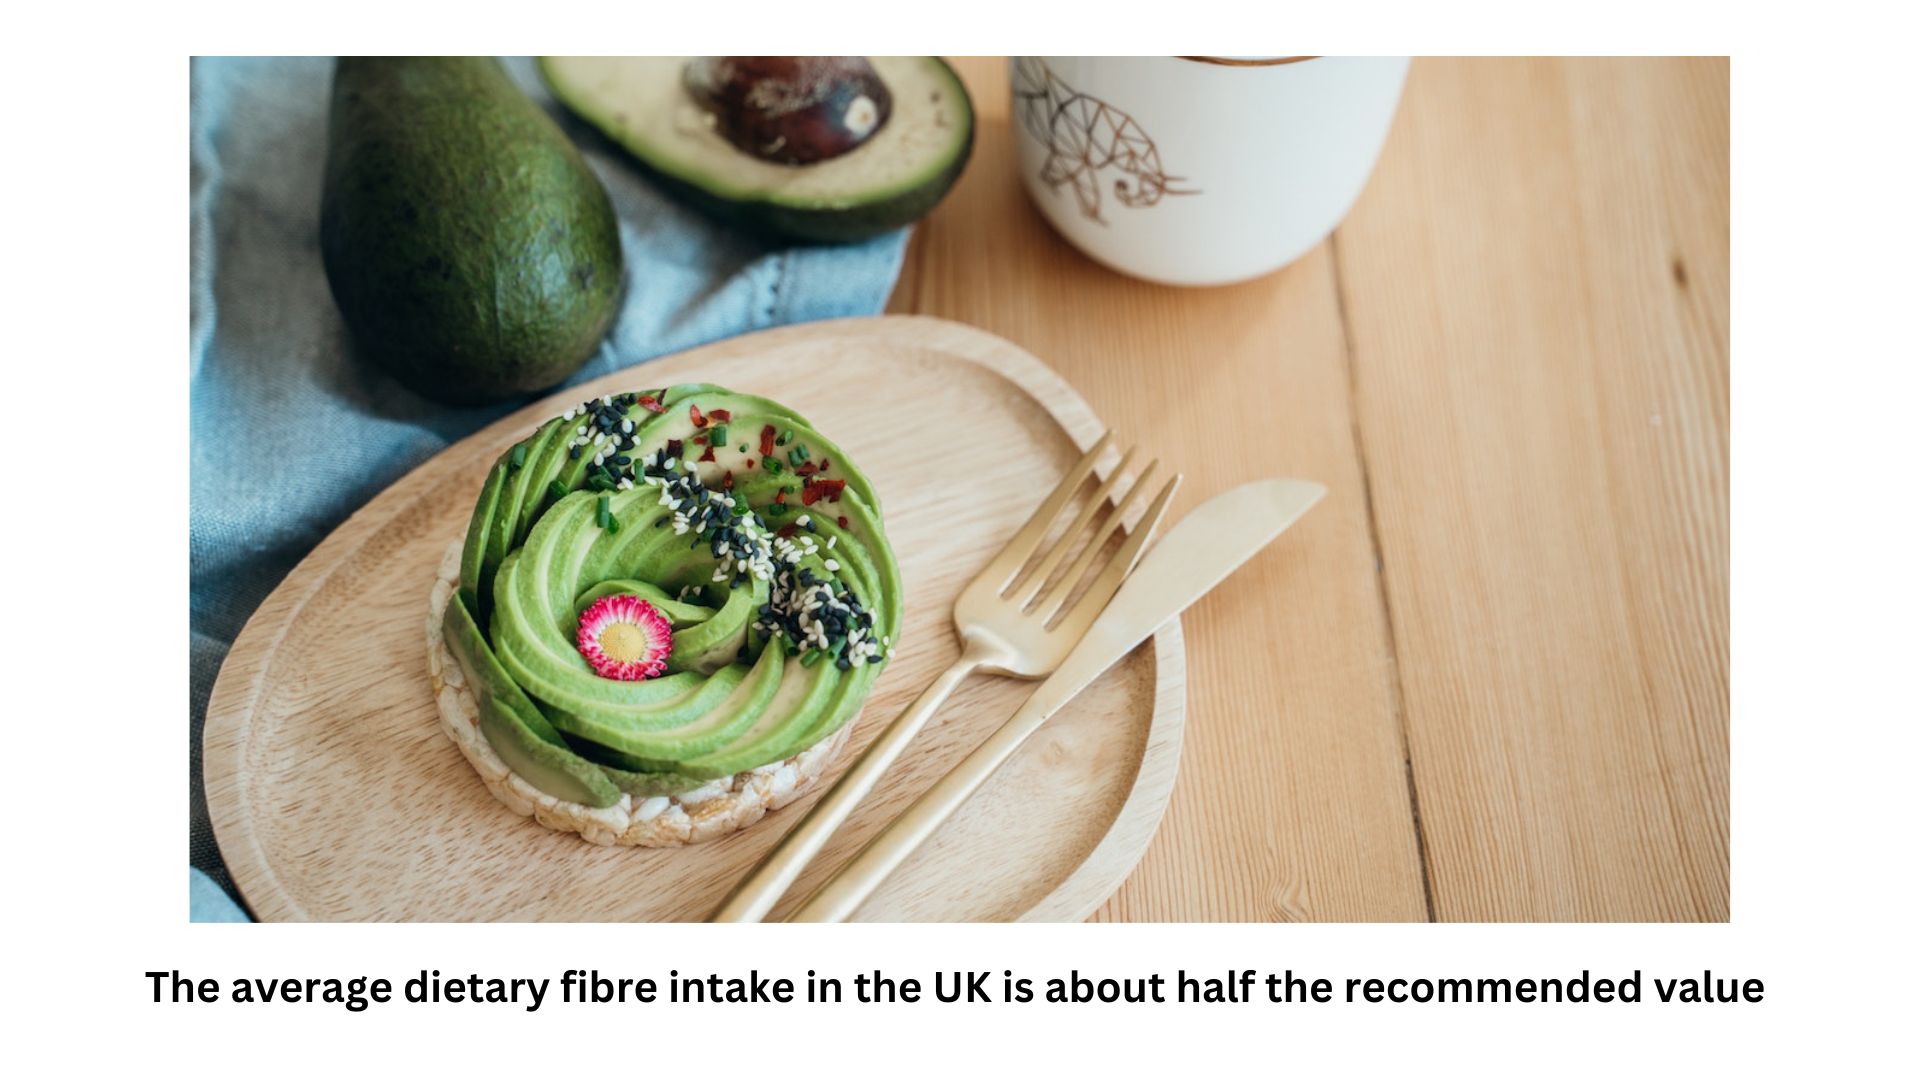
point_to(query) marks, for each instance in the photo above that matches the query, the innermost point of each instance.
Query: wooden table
(1487, 678)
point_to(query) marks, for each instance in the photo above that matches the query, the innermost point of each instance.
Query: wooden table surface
(1487, 678)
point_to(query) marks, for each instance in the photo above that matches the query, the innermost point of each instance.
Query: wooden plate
(335, 795)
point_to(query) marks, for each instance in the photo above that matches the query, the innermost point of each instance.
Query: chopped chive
(603, 512)
(556, 489)
(797, 456)
(813, 657)
(613, 524)
(773, 465)
(778, 509)
(717, 436)
(518, 457)
(743, 448)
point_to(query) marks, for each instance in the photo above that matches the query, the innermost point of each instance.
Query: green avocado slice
(520, 490)
(716, 642)
(749, 692)
(891, 180)
(476, 582)
(645, 785)
(514, 727)
(678, 612)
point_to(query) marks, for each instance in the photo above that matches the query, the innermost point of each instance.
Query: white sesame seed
(833, 566)
(832, 540)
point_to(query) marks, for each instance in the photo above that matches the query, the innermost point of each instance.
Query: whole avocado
(472, 252)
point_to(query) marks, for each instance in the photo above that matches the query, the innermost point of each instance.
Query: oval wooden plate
(335, 795)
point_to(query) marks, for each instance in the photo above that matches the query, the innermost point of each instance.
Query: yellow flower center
(624, 642)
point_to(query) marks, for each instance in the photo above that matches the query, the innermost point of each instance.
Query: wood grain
(1488, 678)
(1544, 421)
(335, 795)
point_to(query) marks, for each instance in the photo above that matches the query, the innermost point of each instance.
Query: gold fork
(1009, 623)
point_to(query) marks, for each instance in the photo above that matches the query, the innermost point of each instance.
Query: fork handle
(845, 891)
(755, 896)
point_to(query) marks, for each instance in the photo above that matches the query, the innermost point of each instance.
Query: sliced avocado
(716, 642)
(643, 784)
(892, 178)
(476, 582)
(760, 704)
(678, 612)
(803, 690)
(514, 727)
(749, 691)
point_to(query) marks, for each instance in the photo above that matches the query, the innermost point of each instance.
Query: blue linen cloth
(291, 433)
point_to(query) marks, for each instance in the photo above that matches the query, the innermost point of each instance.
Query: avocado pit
(791, 110)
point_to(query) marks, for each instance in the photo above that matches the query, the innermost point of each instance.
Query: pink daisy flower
(625, 638)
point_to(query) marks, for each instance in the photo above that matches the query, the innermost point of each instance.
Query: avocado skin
(472, 252)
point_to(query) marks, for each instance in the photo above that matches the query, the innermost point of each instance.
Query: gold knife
(1193, 557)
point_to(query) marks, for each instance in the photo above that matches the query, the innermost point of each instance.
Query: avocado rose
(667, 608)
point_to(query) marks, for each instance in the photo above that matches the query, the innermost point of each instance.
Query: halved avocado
(891, 179)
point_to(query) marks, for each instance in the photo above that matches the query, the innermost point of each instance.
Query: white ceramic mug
(1199, 170)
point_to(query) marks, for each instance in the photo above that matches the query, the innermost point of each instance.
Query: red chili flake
(651, 403)
(749, 463)
(693, 410)
(842, 520)
(720, 416)
(674, 447)
(788, 529)
(701, 440)
(806, 469)
(766, 441)
(707, 455)
(815, 489)
(780, 496)
(726, 481)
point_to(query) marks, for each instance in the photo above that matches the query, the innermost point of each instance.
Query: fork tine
(1011, 558)
(1035, 581)
(1094, 600)
(1063, 587)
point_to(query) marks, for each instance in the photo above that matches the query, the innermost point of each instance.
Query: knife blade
(1193, 557)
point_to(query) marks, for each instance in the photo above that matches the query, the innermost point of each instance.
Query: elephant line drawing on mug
(1086, 139)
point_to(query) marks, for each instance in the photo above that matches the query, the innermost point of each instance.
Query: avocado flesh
(474, 583)
(514, 727)
(891, 180)
(715, 643)
(471, 251)
(679, 613)
(739, 701)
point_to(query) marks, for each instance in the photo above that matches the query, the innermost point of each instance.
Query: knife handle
(845, 891)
